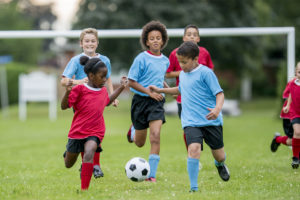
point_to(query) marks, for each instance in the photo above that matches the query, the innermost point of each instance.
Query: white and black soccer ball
(137, 169)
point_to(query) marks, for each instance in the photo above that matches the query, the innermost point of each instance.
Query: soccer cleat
(295, 163)
(223, 172)
(274, 144)
(97, 171)
(129, 134)
(151, 179)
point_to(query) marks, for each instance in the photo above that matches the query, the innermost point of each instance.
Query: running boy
(88, 42)
(293, 106)
(88, 127)
(147, 111)
(191, 33)
(201, 117)
(286, 123)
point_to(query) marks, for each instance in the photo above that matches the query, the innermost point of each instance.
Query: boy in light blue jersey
(147, 111)
(202, 99)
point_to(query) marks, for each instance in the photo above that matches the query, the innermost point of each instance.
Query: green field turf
(31, 162)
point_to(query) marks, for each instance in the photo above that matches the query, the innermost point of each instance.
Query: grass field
(31, 163)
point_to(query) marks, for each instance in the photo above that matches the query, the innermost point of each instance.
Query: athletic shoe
(151, 179)
(223, 172)
(295, 163)
(129, 134)
(274, 144)
(97, 171)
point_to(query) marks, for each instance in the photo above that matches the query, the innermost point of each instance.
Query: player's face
(187, 64)
(98, 80)
(89, 44)
(154, 42)
(192, 35)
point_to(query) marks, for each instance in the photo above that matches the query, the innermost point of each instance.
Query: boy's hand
(156, 96)
(124, 81)
(153, 88)
(213, 114)
(286, 109)
(115, 103)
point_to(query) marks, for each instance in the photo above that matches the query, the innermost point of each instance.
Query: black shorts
(144, 110)
(77, 145)
(288, 128)
(212, 135)
(179, 109)
(296, 121)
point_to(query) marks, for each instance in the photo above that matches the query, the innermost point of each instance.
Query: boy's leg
(296, 145)
(90, 147)
(154, 157)
(220, 158)
(70, 159)
(194, 150)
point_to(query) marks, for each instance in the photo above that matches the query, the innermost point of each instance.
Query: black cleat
(274, 144)
(295, 163)
(223, 172)
(97, 171)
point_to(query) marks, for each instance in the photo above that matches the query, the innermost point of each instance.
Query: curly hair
(150, 26)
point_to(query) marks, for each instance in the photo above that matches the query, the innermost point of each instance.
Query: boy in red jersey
(286, 123)
(293, 106)
(88, 127)
(191, 33)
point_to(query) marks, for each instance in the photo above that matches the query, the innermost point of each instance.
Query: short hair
(188, 49)
(191, 26)
(88, 31)
(151, 26)
(91, 65)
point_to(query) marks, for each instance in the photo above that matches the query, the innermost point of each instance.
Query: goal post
(177, 32)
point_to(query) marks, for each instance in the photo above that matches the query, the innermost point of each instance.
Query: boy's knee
(139, 144)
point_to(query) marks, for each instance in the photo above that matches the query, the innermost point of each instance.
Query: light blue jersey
(148, 69)
(75, 68)
(198, 90)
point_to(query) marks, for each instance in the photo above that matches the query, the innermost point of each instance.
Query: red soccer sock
(184, 137)
(296, 147)
(86, 175)
(281, 139)
(97, 158)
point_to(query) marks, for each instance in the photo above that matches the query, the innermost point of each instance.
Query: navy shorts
(296, 121)
(212, 135)
(288, 128)
(77, 145)
(145, 109)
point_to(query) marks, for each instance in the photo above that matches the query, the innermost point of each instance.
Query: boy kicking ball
(202, 99)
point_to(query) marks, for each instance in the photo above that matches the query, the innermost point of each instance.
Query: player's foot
(151, 179)
(192, 191)
(223, 172)
(97, 171)
(274, 144)
(130, 133)
(295, 163)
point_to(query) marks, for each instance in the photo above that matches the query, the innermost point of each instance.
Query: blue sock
(132, 133)
(193, 171)
(153, 162)
(220, 163)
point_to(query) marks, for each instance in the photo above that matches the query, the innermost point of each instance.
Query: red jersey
(89, 104)
(294, 89)
(204, 59)
(285, 96)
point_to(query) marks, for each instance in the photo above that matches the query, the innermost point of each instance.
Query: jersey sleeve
(212, 82)
(108, 65)
(70, 69)
(135, 69)
(73, 96)
(209, 61)
(173, 60)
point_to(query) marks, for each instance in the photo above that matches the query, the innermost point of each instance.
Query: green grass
(31, 163)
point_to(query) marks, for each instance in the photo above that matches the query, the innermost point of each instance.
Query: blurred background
(262, 59)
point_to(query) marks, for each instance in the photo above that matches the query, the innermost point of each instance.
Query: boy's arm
(172, 74)
(135, 85)
(111, 90)
(286, 109)
(172, 90)
(214, 112)
(64, 81)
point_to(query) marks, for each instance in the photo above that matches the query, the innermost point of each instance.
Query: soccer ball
(137, 169)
